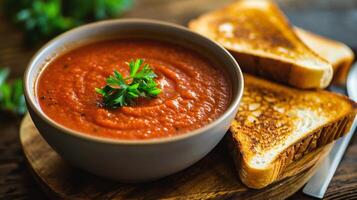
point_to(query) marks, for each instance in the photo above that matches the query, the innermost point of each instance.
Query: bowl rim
(82, 135)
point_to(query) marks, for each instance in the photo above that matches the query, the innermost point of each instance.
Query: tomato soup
(194, 92)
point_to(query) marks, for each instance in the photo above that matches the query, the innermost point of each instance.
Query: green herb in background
(92, 10)
(11, 94)
(44, 19)
(119, 93)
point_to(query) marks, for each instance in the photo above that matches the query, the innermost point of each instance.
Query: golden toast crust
(337, 53)
(260, 37)
(267, 118)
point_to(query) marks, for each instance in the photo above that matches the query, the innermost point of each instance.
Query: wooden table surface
(16, 181)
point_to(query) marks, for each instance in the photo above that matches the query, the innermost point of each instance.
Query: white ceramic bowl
(132, 160)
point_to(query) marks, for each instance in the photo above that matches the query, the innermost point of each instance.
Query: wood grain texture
(211, 178)
(17, 183)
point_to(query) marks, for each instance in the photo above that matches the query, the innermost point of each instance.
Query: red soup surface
(193, 91)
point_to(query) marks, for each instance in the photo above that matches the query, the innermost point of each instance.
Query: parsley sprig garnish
(121, 91)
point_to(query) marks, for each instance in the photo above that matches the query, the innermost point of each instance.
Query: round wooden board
(214, 177)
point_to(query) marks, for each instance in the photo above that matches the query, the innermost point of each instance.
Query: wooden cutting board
(214, 177)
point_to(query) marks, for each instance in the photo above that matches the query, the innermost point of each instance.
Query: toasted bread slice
(263, 42)
(277, 125)
(337, 53)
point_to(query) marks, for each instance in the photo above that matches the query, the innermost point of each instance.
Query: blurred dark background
(336, 19)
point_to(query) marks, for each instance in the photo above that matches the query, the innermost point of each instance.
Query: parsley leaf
(121, 91)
